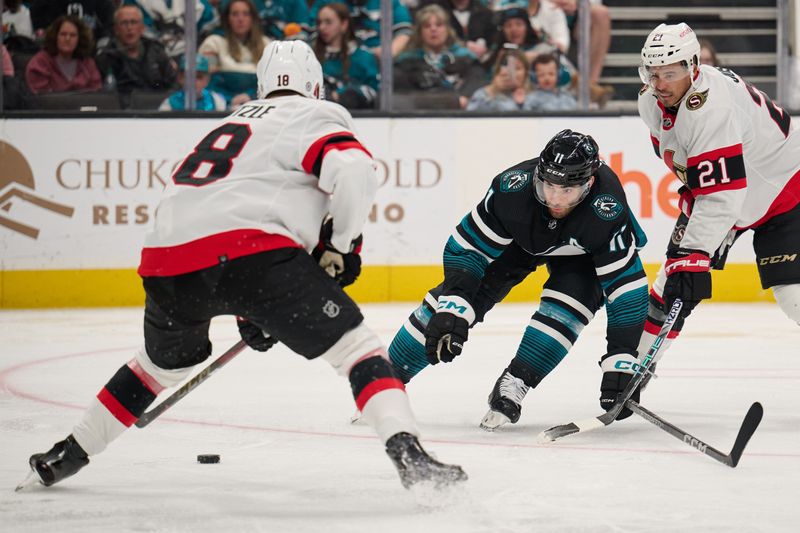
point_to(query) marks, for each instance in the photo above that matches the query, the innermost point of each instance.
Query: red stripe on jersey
(116, 408)
(654, 329)
(728, 151)
(657, 296)
(730, 186)
(209, 251)
(786, 200)
(344, 145)
(375, 387)
(314, 150)
(147, 380)
(655, 141)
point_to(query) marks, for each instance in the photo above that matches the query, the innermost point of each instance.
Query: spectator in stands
(276, 15)
(8, 65)
(549, 21)
(350, 71)
(207, 100)
(708, 54)
(136, 62)
(65, 63)
(163, 20)
(98, 15)
(599, 43)
(510, 88)
(516, 30)
(473, 23)
(433, 59)
(548, 96)
(366, 19)
(16, 19)
(14, 94)
(233, 56)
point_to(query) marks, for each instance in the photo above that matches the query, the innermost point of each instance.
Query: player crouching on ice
(565, 210)
(738, 157)
(232, 236)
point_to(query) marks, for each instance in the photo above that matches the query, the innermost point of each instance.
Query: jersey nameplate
(696, 100)
(606, 207)
(514, 180)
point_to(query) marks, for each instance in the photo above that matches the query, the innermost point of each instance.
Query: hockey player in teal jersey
(565, 210)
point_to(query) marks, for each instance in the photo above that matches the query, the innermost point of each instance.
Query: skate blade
(493, 420)
(30, 481)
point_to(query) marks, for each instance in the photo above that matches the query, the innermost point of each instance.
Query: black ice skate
(415, 465)
(64, 459)
(505, 401)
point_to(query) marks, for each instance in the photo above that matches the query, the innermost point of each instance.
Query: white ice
(292, 462)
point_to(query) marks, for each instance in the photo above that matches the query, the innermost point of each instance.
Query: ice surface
(291, 461)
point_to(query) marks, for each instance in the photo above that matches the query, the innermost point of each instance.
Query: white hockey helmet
(671, 43)
(289, 66)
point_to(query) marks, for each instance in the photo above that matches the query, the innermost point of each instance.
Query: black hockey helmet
(569, 159)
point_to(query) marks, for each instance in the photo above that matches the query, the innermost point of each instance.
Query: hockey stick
(749, 426)
(203, 375)
(557, 432)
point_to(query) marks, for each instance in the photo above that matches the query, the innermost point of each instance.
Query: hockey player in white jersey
(233, 235)
(738, 157)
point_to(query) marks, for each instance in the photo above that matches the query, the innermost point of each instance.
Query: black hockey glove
(344, 267)
(254, 336)
(448, 329)
(688, 278)
(618, 370)
(445, 337)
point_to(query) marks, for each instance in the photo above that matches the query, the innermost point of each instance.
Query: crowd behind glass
(485, 55)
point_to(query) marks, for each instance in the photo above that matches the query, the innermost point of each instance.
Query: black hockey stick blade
(190, 385)
(749, 426)
(581, 426)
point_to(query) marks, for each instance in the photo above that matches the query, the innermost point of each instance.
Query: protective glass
(667, 73)
(559, 196)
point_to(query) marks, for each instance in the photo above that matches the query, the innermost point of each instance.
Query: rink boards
(78, 195)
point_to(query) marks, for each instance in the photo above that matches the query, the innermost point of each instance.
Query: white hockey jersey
(263, 179)
(733, 148)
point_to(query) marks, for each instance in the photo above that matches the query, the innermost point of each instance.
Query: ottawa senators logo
(677, 234)
(696, 100)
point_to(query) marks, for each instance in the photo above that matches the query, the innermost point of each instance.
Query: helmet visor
(559, 196)
(650, 75)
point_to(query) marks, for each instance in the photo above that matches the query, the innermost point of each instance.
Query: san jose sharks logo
(514, 180)
(607, 207)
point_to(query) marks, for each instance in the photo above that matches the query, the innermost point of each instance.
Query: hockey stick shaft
(749, 426)
(557, 432)
(190, 385)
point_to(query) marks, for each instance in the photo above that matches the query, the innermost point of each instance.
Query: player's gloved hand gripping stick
(748, 427)
(556, 432)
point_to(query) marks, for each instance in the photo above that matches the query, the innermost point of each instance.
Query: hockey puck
(208, 459)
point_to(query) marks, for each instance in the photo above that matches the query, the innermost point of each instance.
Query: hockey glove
(686, 200)
(618, 370)
(254, 336)
(688, 278)
(448, 329)
(344, 267)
